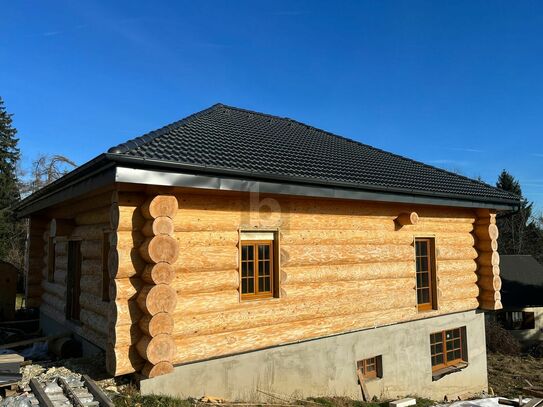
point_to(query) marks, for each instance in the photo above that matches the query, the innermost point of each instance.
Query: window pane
(250, 252)
(261, 284)
(423, 248)
(267, 286)
(251, 285)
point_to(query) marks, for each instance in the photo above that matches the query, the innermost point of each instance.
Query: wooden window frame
(432, 275)
(105, 266)
(274, 286)
(51, 259)
(376, 362)
(462, 348)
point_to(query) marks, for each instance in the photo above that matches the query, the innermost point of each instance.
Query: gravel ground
(508, 374)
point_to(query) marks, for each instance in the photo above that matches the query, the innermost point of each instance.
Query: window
(426, 276)
(258, 272)
(370, 368)
(448, 348)
(105, 267)
(517, 320)
(51, 260)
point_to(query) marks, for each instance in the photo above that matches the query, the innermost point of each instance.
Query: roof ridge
(147, 137)
(365, 145)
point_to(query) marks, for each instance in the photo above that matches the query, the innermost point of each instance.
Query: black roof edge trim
(227, 171)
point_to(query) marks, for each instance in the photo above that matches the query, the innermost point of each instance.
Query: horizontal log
(125, 288)
(490, 283)
(489, 271)
(490, 305)
(203, 258)
(94, 304)
(207, 238)
(61, 247)
(123, 360)
(207, 346)
(153, 299)
(95, 321)
(92, 249)
(377, 237)
(159, 226)
(407, 218)
(158, 324)
(347, 272)
(127, 218)
(456, 305)
(53, 301)
(206, 302)
(160, 205)
(34, 290)
(492, 296)
(57, 290)
(125, 263)
(91, 267)
(455, 253)
(160, 348)
(430, 227)
(124, 335)
(61, 227)
(91, 335)
(459, 290)
(456, 266)
(158, 249)
(487, 245)
(488, 259)
(94, 216)
(486, 232)
(126, 240)
(91, 232)
(161, 368)
(188, 283)
(124, 312)
(338, 288)
(450, 280)
(159, 273)
(91, 284)
(32, 302)
(248, 315)
(343, 254)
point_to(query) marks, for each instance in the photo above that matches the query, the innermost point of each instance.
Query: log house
(234, 233)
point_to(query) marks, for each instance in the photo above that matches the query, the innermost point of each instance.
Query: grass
(132, 398)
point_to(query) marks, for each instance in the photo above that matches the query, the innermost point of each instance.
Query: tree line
(521, 232)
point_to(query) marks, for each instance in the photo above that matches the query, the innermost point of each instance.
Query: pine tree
(519, 232)
(11, 238)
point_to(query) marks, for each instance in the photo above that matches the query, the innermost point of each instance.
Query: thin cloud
(448, 161)
(51, 33)
(467, 150)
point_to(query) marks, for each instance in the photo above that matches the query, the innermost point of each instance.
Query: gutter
(105, 169)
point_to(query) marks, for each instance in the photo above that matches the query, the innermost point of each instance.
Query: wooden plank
(98, 394)
(362, 381)
(40, 394)
(34, 340)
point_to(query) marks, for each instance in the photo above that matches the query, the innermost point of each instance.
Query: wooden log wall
(488, 262)
(344, 266)
(86, 220)
(141, 321)
(34, 260)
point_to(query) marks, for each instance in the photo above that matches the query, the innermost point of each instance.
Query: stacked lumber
(10, 367)
(488, 261)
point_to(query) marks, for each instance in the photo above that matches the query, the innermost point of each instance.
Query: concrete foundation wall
(327, 366)
(530, 336)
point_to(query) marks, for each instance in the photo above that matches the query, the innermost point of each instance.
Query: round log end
(159, 324)
(157, 298)
(161, 248)
(161, 368)
(161, 348)
(411, 218)
(159, 273)
(160, 205)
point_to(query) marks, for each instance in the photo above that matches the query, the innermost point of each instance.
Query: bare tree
(46, 169)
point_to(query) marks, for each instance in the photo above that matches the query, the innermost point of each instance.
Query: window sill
(438, 374)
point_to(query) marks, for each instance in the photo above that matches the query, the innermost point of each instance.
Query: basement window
(371, 368)
(517, 320)
(258, 270)
(448, 351)
(51, 259)
(426, 274)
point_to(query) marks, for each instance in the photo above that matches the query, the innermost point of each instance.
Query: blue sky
(455, 84)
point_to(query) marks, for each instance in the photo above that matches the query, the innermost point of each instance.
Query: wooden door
(73, 280)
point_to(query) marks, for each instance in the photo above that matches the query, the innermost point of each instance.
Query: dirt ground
(508, 374)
